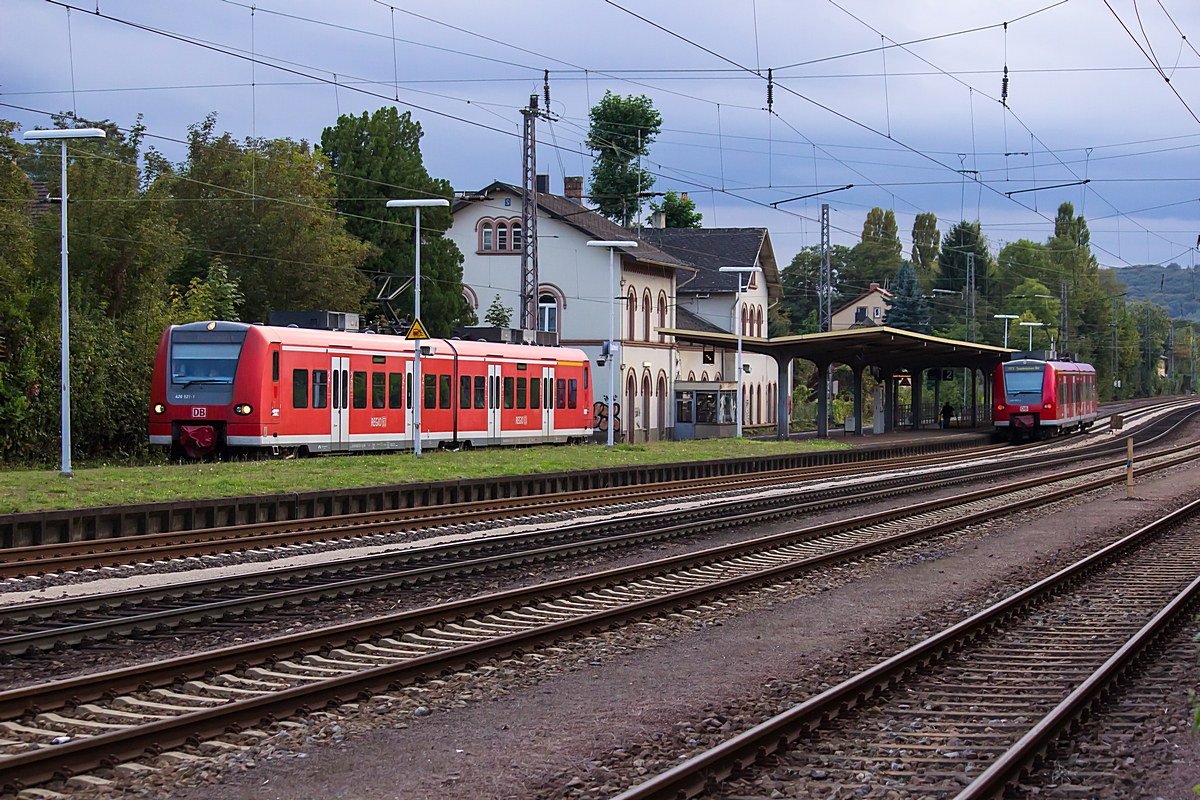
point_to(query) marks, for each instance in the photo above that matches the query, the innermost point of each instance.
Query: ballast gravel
(587, 718)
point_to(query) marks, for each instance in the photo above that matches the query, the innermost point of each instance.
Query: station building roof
(860, 347)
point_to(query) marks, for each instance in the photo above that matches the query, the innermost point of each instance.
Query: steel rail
(1035, 744)
(86, 753)
(19, 561)
(695, 775)
(578, 539)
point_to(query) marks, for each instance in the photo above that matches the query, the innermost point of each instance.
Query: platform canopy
(860, 347)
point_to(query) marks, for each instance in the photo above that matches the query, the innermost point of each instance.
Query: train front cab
(1041, 399)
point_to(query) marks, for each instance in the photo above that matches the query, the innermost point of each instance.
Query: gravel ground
(588, 717)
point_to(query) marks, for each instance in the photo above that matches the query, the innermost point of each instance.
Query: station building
(670, 281)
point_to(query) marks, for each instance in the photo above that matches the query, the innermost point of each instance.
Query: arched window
(758, 417)
(662, 314)
(516, 235)
(501, 236)
(632, 300)
(770, 397)
(760, 322)
(691, 376)
(647, 307)
(547, 313)
(662, 406)
(704, 375)
(628, 422)
(485, 237)
(646, 393)
(743, 319)
(717, 377)
(745, 405)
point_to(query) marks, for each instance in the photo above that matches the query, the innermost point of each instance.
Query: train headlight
(159, 408)
(1047, 406)
(999, 406)
(243, 410)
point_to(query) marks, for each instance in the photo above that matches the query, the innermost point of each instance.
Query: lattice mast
(529, 239)
(825, 309)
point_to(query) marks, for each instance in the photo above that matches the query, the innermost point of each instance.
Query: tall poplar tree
(622, 129)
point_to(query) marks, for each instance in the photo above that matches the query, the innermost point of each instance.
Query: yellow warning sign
(416, 331)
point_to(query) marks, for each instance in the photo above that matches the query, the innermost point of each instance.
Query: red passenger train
(1036, 398)
(236, 387)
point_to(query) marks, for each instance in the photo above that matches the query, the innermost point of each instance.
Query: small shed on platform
(891, 350)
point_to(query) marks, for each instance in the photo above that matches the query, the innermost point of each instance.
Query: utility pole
(1115, 362)
(825, 312)
(529, 238)
(969, 310)
(1171, 358)
(1064, 318)
(529, 258)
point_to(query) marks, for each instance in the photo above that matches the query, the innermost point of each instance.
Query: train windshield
(1023, 384)
(202, 357)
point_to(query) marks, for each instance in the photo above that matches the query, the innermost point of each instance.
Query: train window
(562, 392)
(445, 387)
(480, 392)
(320, 388)
(408, 392)
(585, 371)
(549, 393)
(378, 390)
(299, 388)
(535, 393)
(464, 391)
(360, 389)
(395, 390)
(522, 390)
(572, 393)
(431, 391)
(508, 393)
(275, 367)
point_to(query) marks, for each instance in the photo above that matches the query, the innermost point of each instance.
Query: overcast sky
(1084, 100)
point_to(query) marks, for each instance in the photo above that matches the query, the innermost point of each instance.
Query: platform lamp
(612, 291)
(1006, 318)
(417, 205)
(1031, 326)
(737, 321)
(64, 134)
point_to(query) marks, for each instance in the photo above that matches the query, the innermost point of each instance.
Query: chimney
(543, 184)
(573, 188)
(874, 286)
(658, 219)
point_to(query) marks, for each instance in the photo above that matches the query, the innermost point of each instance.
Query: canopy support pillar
(783, 400)
(822, 401)
(858, 399)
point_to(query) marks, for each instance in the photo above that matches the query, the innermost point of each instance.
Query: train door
(547, 403)
(409, 399)
(494, 403)
(339, 406)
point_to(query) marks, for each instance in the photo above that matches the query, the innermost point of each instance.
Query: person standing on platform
(947, 415)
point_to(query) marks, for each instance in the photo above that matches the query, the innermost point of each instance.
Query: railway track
(88, 620)
(107, 718)
(969, 711)
(20, 562)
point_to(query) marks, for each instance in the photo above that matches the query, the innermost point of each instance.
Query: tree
(926, 239)
(498, 315)
(680, 211)
(622, 129)
(801, 279)
(963, 238)
(1033, 301)
(266, 206)
(876, 259)
(907, 307)
(215, 297)
(377, 157)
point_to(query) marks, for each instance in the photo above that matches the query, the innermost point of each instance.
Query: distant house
(868, 310)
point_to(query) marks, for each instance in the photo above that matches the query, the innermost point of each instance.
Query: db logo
(1023, 408)
(199, 412)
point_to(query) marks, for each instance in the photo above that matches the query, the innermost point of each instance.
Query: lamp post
(612, 291)
(64, 134)
(1031, 326)
(416, 206)
(1006, 318)
(739, 271)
